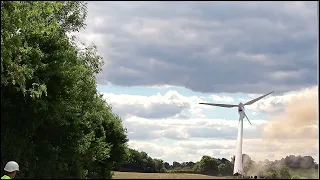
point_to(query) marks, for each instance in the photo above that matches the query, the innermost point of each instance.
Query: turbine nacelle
(240, 107)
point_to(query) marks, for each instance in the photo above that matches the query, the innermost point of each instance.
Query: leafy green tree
(229, 169)
(167, 165)
(140, 162)
(196, 167)
(222, 169)
(307, 162)
(284, 172)
(53, 121)
(208, 165)
(159, 165)
(271, 172)
(25, 27)
(176, 165)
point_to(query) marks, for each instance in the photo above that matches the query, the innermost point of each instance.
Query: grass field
(305, 174)
(133, 175)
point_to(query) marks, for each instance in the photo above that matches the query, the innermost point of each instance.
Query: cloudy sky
(163, 58)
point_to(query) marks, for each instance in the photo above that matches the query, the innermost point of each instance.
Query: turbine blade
(247, 118)
(257, 99)
(220, 105)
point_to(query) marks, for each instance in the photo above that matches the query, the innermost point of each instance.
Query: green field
(134, 175)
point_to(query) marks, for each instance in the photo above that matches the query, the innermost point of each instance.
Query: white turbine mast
(238, 157)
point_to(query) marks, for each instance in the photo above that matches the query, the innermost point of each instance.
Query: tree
(25, 26)
(176, 165)
(53, 121)
(134, 161)
(208, 165)
(284, 172)
(167, 165)
(224, 160)
(159, 166)
(229, 169)
(307, 162)
(292, 161)
(222, 169)
(190, 164)
(140, 162)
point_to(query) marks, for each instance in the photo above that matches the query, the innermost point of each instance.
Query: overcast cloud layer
(218, 49)
(206, 46)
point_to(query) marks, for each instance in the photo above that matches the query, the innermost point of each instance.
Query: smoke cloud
(299, 120)
(294, 131)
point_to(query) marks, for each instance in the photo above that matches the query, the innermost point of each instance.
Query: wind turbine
(238, 159)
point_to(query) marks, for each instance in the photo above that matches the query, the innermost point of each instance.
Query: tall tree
(53, 120)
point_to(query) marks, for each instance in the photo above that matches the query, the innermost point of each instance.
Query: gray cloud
(171, 104)
(156, 130)
(141, 131)
(207, 47)
(207, 146)
(225, 132)
(156, 110)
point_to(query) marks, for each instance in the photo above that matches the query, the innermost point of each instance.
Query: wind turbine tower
(237, 170)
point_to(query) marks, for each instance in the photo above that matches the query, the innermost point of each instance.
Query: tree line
(54, 122)
(139, 161)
